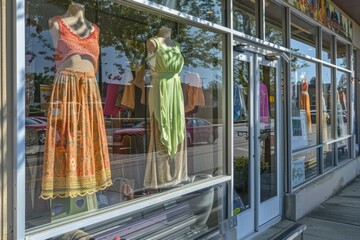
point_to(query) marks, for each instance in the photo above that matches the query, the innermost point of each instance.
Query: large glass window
(327, 47)
(212, 11)
(304, 166)
(342, 104)
(341, 54)
(244, 16)
(274, 15)
(328, 116)
(121, 105)
(303, 37)
(303, 102)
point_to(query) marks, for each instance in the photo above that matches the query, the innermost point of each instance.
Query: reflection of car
(200, 130)
(39, 125)
(197, 130)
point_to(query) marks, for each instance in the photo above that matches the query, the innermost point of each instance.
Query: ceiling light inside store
(210, 12)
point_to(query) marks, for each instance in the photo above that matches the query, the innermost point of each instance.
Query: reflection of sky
(41, 45)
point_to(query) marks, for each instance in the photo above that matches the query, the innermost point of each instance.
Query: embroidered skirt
(76, 158)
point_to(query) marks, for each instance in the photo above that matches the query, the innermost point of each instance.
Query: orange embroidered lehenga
(76, 158)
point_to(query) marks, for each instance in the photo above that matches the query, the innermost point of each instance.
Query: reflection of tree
(241, 73)
(273, 35)
(204, 9)
(297, 63)
(126, 30)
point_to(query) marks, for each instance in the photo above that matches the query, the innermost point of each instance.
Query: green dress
(167, 160)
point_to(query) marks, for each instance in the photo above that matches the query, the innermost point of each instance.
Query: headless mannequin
(74, 18)
(164, 37)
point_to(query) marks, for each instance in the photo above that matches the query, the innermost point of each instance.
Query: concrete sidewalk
(338, 218)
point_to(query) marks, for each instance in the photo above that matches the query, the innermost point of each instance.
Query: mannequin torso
(164, 37)
(74, 19)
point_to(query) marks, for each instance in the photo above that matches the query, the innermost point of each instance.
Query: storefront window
(303, 37)
(244, 16)
(242, 162)
(328, 116)
(342, 104)
(327, 46)
(121, 105)
(341, 54)
(304, 166)
(303, 102)
(212, 11)
(274, 15)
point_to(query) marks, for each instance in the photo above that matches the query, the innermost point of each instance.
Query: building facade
(173, 119)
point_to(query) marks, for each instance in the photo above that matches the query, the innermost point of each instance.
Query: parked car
(39, 125)
(198, 130)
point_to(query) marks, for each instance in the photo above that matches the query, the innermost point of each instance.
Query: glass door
(256, 100)
(266, 150)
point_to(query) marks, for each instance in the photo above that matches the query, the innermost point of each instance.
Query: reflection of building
(236, 130)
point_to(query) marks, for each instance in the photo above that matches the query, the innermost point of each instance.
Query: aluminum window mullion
(288, 108)
(351, 101)
(260, 16)
(334, 100)
(228, 95)
(17, 20)
(319, 94)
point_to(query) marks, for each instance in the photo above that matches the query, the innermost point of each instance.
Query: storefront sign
(327, 14)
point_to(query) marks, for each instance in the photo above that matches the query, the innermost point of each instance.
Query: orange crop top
(70, 43)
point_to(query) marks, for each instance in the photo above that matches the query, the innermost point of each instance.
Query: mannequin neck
(164, 32)
(76, 10)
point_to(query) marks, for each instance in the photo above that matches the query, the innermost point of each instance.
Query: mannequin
(305, 101)
(166, 164)
(76, 157)
(75, 19)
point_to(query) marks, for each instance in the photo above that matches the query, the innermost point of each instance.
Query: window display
(76, 159)
(167, 116)
(303, 103)
(126, 105)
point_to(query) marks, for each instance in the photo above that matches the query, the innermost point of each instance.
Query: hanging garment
(195, 94)
(76, 158)
(111, 94)
(128, 97)
(340, 116)
(237, 102)
(167, 158)
(264, 106)
(305, 104)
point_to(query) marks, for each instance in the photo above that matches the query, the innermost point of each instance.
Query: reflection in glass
(304, 166)
(274, 15)
(267, 108)
(127, 78)
(241, 129)
(343, 150)
(208, 10)
(187, 217)
(244, 17)
(303, 102)
(341, 104)
(303, 37)
(328, 156)
(327, 115)
(341, 54)
(327, 46)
